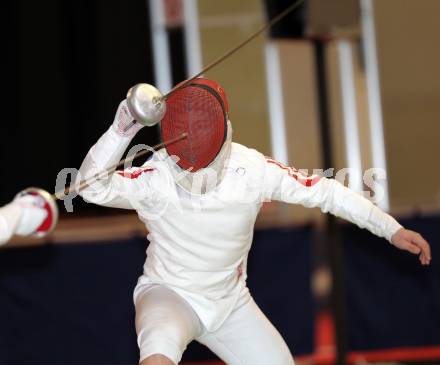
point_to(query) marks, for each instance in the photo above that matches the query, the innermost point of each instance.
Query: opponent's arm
(289, 185)
(28, 214)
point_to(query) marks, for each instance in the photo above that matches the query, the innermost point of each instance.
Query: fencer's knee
(161, 335)
(157, 359)
(154, 349)
(164, 324)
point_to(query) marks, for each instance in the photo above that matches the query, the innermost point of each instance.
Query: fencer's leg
(165, 325)
(248, 338)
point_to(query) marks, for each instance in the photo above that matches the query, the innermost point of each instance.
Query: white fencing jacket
(199, 243)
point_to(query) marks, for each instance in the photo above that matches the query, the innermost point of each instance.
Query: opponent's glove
(39, 213)
(33, 214)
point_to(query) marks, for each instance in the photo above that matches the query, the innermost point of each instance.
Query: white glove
(123, 123)
(33, 214)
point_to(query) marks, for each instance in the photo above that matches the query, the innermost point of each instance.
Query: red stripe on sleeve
(299, 176)
(134, 174)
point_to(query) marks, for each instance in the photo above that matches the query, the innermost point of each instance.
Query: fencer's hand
(124, 123)
(413, 242)
(32, 216)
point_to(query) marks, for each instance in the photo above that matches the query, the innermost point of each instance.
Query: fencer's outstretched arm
(289, 185)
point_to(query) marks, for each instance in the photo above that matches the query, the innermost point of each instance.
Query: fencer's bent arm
(288, 185)
(110, 190)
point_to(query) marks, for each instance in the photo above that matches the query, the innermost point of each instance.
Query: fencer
(200, 214)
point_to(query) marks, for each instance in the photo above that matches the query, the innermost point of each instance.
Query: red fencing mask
(199, 109)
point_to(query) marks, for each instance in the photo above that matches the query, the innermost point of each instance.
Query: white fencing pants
(166, 324)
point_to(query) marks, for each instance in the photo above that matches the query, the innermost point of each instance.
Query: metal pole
(161, 49)
(331, 231)
(374, 95)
